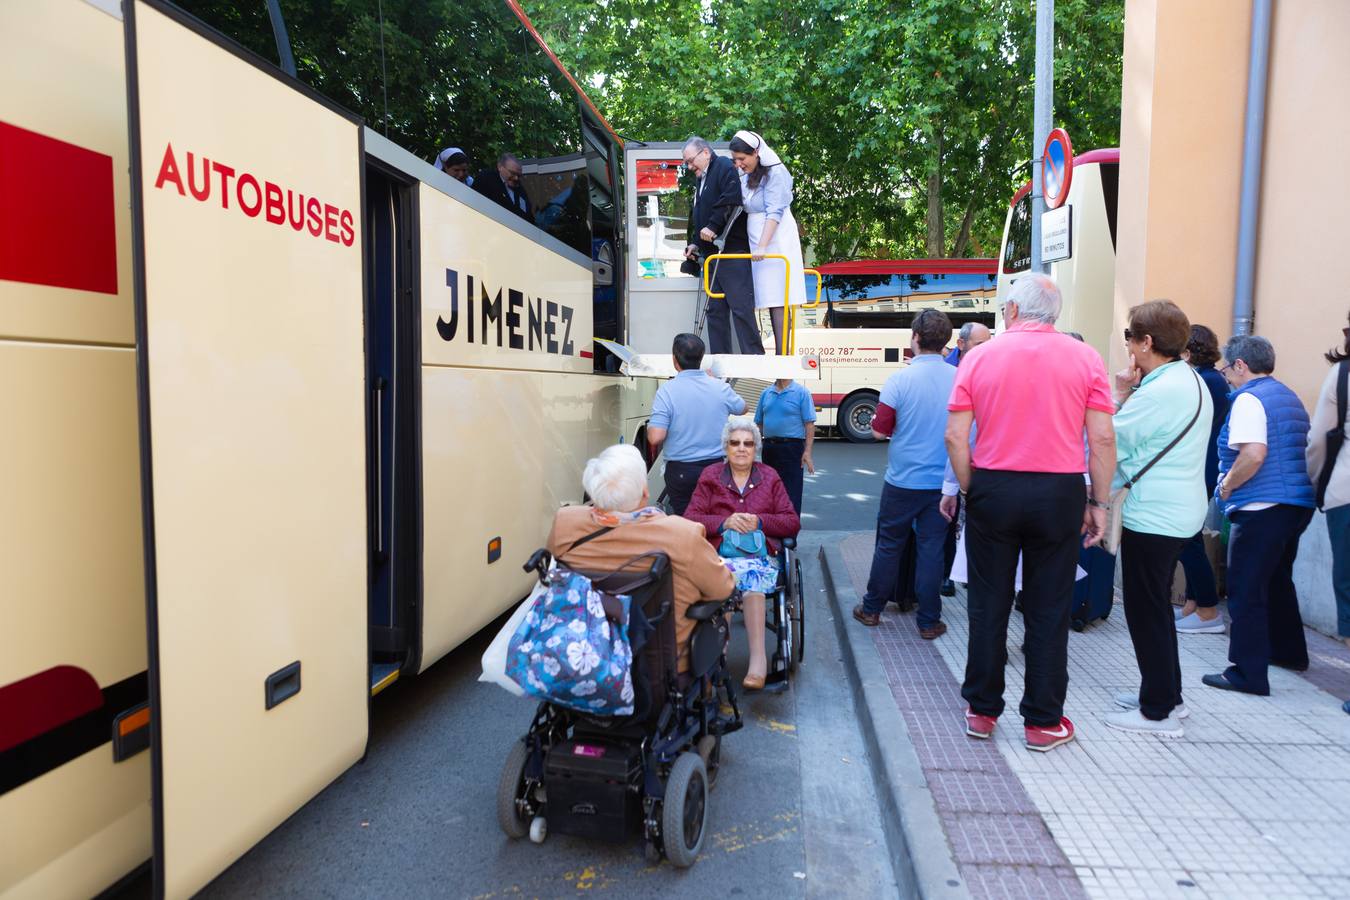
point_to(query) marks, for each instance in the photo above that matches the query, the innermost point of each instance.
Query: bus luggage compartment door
(249, 316)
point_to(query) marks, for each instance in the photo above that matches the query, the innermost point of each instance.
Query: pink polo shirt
(1030, 389)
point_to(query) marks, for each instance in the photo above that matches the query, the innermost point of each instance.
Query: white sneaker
(1131, 701)
(1176, 612)
(1133, 720)
(1193, 624)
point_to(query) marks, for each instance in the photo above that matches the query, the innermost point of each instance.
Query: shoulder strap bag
(1336, 436)
(1115, 516)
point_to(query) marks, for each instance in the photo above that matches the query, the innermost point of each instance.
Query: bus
(288, 406)
(1086, 278)
(860, 331)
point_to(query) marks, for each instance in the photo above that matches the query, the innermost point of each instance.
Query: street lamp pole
(1044, 112)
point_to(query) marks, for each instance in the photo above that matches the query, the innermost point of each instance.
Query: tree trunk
(963, 236)
(937, 234)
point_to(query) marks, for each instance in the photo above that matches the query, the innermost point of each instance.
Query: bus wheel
(855, 417)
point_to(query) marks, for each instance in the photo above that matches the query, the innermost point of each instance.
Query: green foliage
(877, 106)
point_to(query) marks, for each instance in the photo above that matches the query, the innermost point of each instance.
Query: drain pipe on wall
(1253, 139)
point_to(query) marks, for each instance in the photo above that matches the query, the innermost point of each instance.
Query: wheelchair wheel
(511, 791)
(685, 810)
(797, 613)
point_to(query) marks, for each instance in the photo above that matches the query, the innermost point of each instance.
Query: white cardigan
(1323, 420)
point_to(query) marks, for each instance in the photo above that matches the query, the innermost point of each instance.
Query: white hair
(616, 478)
(740, 423)
(1037, 298)
(699, 144)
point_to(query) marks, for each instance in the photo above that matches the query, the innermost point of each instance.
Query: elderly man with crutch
(717, 217)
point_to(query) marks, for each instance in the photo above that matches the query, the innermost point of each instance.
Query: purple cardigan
(716, 497)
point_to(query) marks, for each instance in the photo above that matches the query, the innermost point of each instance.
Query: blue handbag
(568, 652)
(736, 545)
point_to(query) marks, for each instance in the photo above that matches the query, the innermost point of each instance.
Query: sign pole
(1044, 112)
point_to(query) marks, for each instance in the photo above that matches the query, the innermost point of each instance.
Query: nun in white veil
(766, 189)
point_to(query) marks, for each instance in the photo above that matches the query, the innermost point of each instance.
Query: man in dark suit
(716, 200)
(502, 185)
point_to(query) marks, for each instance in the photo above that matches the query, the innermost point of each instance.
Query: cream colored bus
(287, 407)
(1086, 278)
(860, 332)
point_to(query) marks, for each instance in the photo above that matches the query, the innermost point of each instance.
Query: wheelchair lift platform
(801, 367)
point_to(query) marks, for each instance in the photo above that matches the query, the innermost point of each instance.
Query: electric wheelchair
(608, 777)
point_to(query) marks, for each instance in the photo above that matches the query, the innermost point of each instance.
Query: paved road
(794, 813)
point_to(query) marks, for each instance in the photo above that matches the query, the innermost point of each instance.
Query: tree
(888, 112)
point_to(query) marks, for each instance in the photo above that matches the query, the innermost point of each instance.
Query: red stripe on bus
(910, 267)
(37, 704)
(57, 213)
(825, 401)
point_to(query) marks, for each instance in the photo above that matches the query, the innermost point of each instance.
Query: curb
(920, 854)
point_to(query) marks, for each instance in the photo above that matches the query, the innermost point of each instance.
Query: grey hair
(1257, 352)
(1037, 298)
(698, 143)
(741, 423)
(966, 329)
(616, 478)
(507, 158)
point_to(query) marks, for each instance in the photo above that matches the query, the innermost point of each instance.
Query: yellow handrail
(820, 282)
(787, 288)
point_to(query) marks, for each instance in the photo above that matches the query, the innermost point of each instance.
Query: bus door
(248, 235)
(393, 364)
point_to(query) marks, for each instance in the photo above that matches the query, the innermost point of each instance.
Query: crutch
(701, 303)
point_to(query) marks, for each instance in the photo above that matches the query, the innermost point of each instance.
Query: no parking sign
(1056, 168)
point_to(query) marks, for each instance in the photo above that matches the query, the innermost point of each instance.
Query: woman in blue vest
(1265, 492)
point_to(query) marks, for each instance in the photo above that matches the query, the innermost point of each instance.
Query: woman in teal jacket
(1161, 404)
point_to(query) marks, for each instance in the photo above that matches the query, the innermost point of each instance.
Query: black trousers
(733, 278)
(784, 456)
(949, 545)
(1040, 515)
(1262, 603)
(1147, 564)
(681, 479)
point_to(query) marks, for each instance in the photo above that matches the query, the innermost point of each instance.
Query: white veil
(444, 155)
(766, 155)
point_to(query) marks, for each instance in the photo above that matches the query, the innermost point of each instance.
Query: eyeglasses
(689, 160)
(740, 443)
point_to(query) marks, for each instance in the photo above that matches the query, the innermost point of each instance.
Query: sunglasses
(1129, 336)
(740, 443)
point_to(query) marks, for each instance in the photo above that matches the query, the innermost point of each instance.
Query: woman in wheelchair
(745, 511)
(616, 482)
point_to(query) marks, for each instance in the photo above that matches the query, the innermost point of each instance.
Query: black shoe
(948, 588)
(1221, 682)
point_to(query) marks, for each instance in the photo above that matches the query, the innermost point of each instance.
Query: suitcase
(1094, 595)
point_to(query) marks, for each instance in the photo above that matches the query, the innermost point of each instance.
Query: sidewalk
(1253, 802)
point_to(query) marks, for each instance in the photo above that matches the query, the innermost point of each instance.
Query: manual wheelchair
(608, 777)
(785, 618)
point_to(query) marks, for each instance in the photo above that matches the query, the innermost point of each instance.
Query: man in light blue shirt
(786, 416)
(688, 414)
(913, 413)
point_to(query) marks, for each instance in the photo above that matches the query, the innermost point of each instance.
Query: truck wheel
(855, 417)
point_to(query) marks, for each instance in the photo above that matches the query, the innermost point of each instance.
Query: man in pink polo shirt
(1032, 392)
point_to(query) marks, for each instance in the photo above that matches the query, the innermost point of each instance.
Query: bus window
(467, 75)
(663, 212)
(1017, 248)
(1110, 192)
